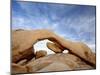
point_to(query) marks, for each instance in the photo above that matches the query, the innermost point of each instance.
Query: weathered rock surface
(22, 62)
(81, 56)
(55, 66)
(18, 68)
(23, 40)
(54, 47)
(51, 63)
(40, 53)
(26, 54)
(54, 62)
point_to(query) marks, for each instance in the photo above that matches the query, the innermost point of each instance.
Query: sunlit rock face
(54, 62)
(67, 54)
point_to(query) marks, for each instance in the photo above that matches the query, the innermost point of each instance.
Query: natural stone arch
(22, 42)
(45, 47)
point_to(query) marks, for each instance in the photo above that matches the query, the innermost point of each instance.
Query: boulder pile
(26, 60)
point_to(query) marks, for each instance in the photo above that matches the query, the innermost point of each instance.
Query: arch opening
(41, 45)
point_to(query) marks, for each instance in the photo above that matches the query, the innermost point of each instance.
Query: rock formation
(54, 47)
(16, 68)
(80, 56)
(40, 53)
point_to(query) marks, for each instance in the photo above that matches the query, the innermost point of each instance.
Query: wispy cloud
(75, 22)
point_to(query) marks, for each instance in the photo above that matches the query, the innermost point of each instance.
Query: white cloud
(41, 45)
(92, 46)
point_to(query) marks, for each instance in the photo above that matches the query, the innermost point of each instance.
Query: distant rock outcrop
(80, 57)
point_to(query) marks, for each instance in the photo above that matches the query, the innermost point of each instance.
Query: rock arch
(23, 40)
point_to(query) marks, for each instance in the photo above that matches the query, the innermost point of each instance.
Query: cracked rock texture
(25, 60)
(40, 53)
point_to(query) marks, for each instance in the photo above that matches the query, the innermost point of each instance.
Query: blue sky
(75, 22)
